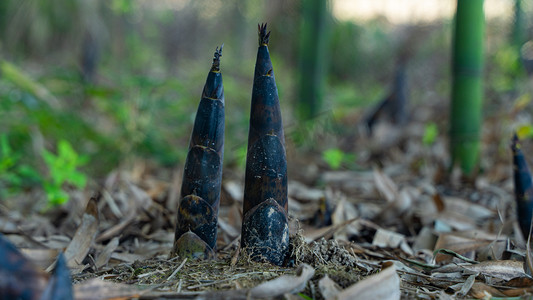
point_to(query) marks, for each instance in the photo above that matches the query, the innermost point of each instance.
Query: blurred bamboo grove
(120, 79)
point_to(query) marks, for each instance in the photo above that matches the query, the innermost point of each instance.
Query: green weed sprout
(431, 132)
(335, 157)
(62, 169)
(14, 176)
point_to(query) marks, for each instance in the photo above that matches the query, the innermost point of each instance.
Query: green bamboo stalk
(312, 54)
(518, 34)
(467, 90)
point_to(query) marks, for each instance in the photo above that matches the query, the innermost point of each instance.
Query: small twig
(177, 269)
(179, 286)
(151, 273)
(235, 257)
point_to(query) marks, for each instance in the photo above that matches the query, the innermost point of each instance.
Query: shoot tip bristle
(263, 34)
(216, 59)
(515, 142)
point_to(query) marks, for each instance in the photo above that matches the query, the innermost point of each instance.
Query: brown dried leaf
(285, 284)
(84, 237)
(118, 228)
(457, 244)
(480, 290)
(385, 285)
(529, 256)
(518, 292)
(96, 289)
(142, 200)
(388, 239)
(299, 191)
(328, 288)
(396, 208)
(466, 208)
(502, 269)
(439, 202)
(467, 285)
(103, 258)
(425, 239)
(385, 186)
(41, 257)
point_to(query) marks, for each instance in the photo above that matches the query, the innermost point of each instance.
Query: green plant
(62, 169)
(525, 131)
(431, 132)
(335, 157)
(304, 296)
(14, 175)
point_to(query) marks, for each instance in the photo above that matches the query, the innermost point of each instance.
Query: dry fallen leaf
(83, 238)
(390, 239)
(457, 244)
(103, 258)
(385, 186)
(328, 288)
(500, 269)
(41, 257)
(97, 289)
(480, 290)
(285, 284)
(385, 286)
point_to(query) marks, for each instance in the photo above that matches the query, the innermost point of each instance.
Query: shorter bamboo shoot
(196, 226)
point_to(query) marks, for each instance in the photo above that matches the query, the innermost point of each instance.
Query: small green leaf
(49, 158)
(333, 157)
(431, 132)
(62, 168)
(304, 296)
(56, 196)
(524, 131)
(28, 172)
(78, 179)
(4, 146)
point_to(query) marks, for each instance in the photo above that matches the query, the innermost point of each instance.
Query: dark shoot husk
(265, 231)
(19, 278)
(394, 106)
(60, 286)
(196, 226)
(523, 188)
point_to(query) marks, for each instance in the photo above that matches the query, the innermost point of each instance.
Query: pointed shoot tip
(515, 142)
(215, 67)
(263, 34)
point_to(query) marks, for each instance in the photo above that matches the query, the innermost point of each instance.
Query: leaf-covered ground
(377, 217)
(389, 223)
